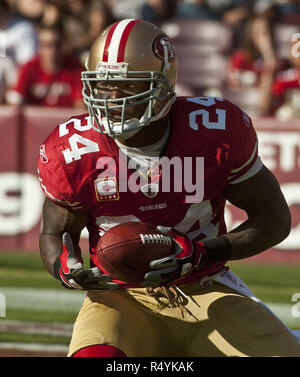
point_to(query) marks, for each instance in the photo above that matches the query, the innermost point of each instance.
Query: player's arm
(269, 219)
(268, 223)
(56, 221)
(60, 251)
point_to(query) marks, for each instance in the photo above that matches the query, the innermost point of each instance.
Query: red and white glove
(68, 268)
(186, 257)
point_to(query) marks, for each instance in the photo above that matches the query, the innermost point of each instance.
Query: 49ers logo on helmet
(158, 47)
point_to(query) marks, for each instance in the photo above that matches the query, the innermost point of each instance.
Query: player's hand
(186, 257)
(70, 271)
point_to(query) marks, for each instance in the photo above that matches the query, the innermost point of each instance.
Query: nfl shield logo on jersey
(43, 155)
(150, 190)
(106, 189)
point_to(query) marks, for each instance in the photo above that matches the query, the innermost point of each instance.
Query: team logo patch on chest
(106, 189)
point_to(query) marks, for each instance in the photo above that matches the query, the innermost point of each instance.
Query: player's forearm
(269, 218)
(50, 249)
(56, 221)
(51, 245)
(258, 234)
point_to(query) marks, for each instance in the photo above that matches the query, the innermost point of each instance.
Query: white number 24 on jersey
(75, 151)
(220, 124)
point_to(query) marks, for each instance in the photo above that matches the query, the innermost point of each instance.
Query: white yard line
(35, 347)
(50, 300)
(54, 300)
(36, 328)
(284, 312)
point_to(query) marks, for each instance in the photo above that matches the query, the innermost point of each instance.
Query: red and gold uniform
(227, 144)
(82, 169)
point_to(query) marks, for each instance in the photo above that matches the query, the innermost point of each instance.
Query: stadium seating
(247, 99)
(282, 35)
(201, 48)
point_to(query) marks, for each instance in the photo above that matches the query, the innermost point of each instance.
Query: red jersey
(244, 70)
(39, 88)
(284, 82)
(213, 144)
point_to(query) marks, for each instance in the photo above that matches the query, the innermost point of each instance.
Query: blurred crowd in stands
(247, 51)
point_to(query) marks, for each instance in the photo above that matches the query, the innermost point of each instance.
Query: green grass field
(32, 295)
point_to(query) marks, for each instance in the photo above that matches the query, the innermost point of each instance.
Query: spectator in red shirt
(52, 78)
(255, 65)
(246, 65)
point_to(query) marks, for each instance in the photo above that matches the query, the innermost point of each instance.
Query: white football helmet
(130, 50)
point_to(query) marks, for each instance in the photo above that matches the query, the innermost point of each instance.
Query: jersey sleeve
(52, 176)
(244, 161)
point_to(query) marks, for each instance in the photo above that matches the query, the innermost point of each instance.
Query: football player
(190, 304)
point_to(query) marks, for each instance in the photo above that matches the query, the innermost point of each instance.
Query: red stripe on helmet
(124, 39)
(108, 40)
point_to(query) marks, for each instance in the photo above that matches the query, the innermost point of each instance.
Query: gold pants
(214, 321)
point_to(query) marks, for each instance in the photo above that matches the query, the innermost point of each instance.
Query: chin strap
(164, 110)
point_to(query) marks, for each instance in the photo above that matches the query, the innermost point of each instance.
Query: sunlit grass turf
(18, 269)
(25, 270)
(41, 316)
(271, 283)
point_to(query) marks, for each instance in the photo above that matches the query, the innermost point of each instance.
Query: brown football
(125, 250)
